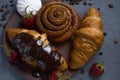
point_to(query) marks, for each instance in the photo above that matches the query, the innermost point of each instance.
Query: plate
(110, 50)
(63, 48)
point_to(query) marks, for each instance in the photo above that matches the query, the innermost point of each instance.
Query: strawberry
(97, 69)
(29, 20)
(12, 56)
(56, 75)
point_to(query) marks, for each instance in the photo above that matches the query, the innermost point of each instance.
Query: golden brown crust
(58, 20)
(12, 32)
(88, 39)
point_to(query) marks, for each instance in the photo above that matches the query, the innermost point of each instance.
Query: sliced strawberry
(97, 69)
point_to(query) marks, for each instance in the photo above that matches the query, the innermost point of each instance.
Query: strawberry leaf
(64, 77)
(60, 76)
(101, 65)
(7, 50)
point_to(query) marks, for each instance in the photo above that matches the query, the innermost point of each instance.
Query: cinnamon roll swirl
(58, 19)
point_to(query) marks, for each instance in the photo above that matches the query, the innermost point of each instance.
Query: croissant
(88, 39)
(58, 19)
(35, 50)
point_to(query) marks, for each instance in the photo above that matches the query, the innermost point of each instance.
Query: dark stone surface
(111, 57)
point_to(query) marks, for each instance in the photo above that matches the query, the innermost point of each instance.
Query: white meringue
(34, 6)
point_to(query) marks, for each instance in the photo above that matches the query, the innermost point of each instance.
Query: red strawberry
(97, 69)
(29, 20)
(12, 56)
(56, 76)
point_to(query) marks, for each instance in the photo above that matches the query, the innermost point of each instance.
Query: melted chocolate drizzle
(26, 45)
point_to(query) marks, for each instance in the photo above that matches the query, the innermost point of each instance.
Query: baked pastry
(35, 50)
(34, 6)
(58, 19)
(88, 39)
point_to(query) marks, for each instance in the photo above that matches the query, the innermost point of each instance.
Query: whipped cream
(34, 6)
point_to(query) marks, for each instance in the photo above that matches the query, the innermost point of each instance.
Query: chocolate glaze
(26, 45)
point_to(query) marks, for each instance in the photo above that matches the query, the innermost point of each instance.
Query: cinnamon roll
(58, 19)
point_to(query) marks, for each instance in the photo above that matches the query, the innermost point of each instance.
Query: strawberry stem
(26, 9)
(28, 15)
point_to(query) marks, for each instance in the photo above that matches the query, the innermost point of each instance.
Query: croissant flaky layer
(35, 50)
(88, 39)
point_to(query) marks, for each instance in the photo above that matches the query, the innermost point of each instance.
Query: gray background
(111, 51)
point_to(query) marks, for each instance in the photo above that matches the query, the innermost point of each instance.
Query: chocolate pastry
(88, 39)
(35, 50)
(58, 19)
